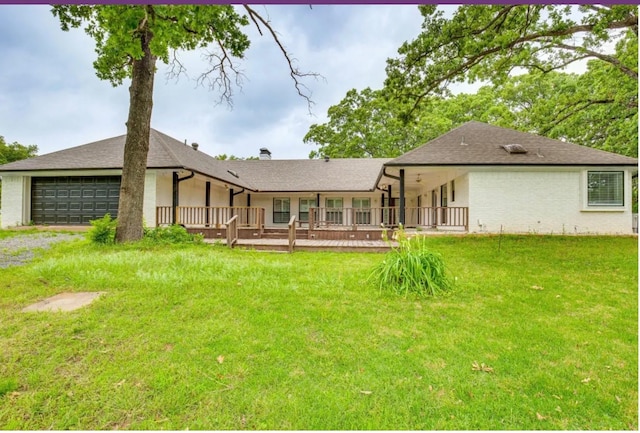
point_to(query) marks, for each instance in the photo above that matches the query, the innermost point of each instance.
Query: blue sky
(51, 97)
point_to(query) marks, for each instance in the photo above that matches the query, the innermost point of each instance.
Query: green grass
(203, 337)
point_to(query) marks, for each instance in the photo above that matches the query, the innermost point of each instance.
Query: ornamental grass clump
(412, 268)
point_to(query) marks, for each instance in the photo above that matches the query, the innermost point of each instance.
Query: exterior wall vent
(265, 154)
(514, 148)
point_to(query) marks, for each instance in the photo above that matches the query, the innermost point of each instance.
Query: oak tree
(518, 52)
(481, 42)
(130, 39)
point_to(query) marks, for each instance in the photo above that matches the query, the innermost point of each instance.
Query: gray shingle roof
(290, 175)
(166, 152)
(476, 143)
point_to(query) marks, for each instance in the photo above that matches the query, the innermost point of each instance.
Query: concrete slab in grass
(64, 302)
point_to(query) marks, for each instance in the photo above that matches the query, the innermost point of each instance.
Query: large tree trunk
(136, 148)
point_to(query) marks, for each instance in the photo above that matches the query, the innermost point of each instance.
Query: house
(476, 178)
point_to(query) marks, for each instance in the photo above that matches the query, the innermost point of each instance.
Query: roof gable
(476, 143)
(165, 152)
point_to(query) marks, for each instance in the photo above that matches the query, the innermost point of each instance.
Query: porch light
(418, 179)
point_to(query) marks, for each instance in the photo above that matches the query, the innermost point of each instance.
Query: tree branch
(176, 67)
(294, 72)
(222, 80)
(474, 59)
(580, 106)
(605, 58)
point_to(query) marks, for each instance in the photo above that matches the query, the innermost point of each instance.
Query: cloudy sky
(51, 97)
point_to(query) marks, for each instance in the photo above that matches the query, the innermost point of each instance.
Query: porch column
(176, 198)
(402, 196)
(391, 217)
(176, 193)
(207, 202)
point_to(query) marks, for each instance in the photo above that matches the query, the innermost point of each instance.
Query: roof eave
(594, 164)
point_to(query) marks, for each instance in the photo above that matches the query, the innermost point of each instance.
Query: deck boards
(347, 245)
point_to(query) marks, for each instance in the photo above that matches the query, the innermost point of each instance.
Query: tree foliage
(370, 123)
(483, 42)
(518, 51)
(225, 157)
(15, 151)
(130, 39)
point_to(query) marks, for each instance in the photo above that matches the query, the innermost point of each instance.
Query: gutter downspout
(402, 210)
(232, 195)
(176, 193)
(401, 180)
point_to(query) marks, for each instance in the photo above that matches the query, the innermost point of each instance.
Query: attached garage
(73, 200)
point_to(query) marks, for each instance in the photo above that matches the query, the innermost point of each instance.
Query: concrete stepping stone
(64, 302)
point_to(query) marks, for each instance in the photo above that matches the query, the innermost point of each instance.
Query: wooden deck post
(312, 218)
(232, 231)
(292, 233)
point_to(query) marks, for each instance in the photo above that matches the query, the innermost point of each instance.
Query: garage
(73, 200)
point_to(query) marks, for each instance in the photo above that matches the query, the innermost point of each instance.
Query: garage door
(73, 200)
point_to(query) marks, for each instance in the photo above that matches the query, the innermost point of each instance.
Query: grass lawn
(541, 334)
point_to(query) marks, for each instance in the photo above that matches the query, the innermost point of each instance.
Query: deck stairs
(283, 233)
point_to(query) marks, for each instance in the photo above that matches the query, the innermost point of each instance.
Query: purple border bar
(320, 2)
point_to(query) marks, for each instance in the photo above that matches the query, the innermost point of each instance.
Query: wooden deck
(368, 246)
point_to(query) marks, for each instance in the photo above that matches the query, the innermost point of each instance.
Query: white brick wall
(14, 200)
(150, 195)
(540, 202)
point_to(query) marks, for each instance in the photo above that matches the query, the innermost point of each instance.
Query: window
(305, 205)
(334, 210)
(281, 210)
(362, 210)
(605, 188)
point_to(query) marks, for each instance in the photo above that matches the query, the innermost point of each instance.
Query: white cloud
(51, 96)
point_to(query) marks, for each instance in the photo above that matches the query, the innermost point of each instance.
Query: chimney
(265, 154)
(195, 146)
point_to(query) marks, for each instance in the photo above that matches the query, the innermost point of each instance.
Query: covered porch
(420, 198)
(321, 223)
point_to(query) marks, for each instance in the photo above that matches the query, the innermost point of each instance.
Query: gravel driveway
(18, 250)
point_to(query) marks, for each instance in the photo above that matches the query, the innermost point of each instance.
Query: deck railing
(232, 231)
(292, 233)
(216, 217)
(388, 216)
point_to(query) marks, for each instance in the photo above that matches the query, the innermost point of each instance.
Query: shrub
(174, 234)
(103, 231)
(411, 268)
